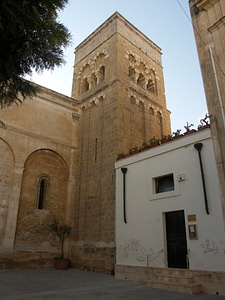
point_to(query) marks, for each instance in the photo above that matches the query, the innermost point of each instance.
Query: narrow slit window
(42, 193)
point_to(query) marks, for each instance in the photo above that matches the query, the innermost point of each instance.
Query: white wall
(142, 241)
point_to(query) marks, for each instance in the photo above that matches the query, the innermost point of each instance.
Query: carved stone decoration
(92, 72)
(141, 73)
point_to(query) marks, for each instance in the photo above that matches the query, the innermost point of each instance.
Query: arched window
(151, 86)
(141, 80)
(151, 110)
(93, 80)
(42, 191)
(132, 100)
(131, 58)
(85, 85)
(132, 72)
(102, 73)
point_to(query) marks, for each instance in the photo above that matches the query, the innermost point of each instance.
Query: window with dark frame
(164, 183)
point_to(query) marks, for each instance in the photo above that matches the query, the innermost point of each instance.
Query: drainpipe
(124, 171)
(217, 83)
(198, 147)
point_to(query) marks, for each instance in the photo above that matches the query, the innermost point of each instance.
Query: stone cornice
(206, 4)
(218, 24)
(55, 97)
(39, 137)
(114, 17)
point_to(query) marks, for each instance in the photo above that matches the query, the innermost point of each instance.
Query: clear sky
(167, 23)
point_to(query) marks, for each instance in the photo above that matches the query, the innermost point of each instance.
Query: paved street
(76, 284)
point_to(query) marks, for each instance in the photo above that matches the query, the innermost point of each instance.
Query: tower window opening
(85, 85)
(141, 80)
(102, 73)
(151, 86)
(93, 80)
(131, 58)
(131, 72)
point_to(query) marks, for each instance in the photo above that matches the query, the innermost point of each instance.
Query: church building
(58, 153)
(139, 216)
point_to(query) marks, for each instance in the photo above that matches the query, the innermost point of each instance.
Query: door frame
(165, 238)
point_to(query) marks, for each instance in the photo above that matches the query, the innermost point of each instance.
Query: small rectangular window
(164, 183)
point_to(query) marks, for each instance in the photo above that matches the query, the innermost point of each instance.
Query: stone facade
(58, 153)
(37, 142)
(118, 81)
(208, 18)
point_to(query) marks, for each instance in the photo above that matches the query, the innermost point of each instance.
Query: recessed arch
(132, 72)
(7, 164)
(151, 86)
(101, 73)
(131, 57)
(141, 80)
(84, 85)
(45, 171)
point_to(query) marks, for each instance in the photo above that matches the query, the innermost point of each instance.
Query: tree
(62, 232)
(31, 39)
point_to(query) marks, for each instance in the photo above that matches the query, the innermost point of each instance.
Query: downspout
(217, 83)
(198, 147)
(124, 171)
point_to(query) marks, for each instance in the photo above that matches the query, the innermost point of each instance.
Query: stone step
(175, 278)
(179, 272)
(188, 288)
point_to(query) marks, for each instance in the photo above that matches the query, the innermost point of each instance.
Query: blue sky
(167, 23)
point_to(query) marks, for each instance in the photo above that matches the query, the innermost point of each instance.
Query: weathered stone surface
(118, 111)
(73, 144)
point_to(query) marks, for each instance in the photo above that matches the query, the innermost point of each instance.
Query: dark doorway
(176, 240)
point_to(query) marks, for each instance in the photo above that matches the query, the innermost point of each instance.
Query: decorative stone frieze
(95, 101)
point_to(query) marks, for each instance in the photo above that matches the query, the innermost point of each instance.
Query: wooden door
(176, 240)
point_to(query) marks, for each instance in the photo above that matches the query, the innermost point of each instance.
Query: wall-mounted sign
(191, 218)
(192, 230)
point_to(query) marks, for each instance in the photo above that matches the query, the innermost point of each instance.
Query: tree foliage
(62, 232)
(31, 39)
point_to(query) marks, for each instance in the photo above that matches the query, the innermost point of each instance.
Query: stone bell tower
(119, 85)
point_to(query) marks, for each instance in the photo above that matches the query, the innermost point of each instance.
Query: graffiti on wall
(153, 255)
(133, 248)
(213, 247)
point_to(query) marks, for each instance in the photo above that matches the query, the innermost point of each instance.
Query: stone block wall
(119, 110)
(35, 146)
(97, 257)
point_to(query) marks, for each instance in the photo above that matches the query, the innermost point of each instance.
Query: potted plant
(133, 150)
(145, 145)
(188, 128)
(154, 141)
(177, 134)
(62, 232)
(121, 155)
(166, 138)
(204, 123)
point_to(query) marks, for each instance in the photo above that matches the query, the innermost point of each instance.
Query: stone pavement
(76, 284)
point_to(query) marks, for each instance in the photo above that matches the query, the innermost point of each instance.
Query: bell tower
(118, 83)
